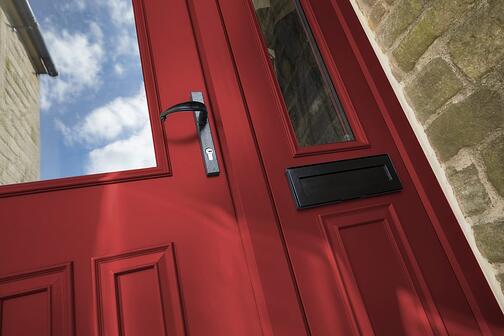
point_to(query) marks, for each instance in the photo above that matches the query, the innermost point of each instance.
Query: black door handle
(198, 107)
(189, 106)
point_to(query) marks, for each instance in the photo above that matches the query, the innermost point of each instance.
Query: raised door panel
(129, 285)
(380, 273)
(37, 303)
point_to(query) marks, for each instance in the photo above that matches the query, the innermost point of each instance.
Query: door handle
(198, 107)
(188, 106)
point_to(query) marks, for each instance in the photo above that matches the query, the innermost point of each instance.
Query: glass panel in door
(72, 95)
(315, 111)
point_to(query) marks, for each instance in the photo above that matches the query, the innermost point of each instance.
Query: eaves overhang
(23, 21)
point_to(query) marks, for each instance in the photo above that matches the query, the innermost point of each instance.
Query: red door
(395, 264)
(171, 251)
(161, 251)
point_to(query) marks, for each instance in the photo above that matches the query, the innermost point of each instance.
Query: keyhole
(210, 153)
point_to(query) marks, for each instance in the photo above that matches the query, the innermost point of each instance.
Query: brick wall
(446, 58)
(19, 111)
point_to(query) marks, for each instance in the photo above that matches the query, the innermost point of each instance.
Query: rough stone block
(479, 44)
(376, 14)
(493, 157)
(435, 22)
(469, 190)
(495, 78)
(466, 123)
(398, 20)
(490, 240)
(432, 88)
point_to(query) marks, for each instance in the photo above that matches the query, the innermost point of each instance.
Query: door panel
(153, 255)
(133, 281)
(394, 270)
(380, 275)
(37, 303)
(78, 225)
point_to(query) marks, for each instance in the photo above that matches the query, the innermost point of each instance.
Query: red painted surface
(128, 283)
(169, 251)
(406, 269)
(156, 251)
(37, 303)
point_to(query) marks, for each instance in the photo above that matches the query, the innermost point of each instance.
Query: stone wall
(446, 57)
(19, 110)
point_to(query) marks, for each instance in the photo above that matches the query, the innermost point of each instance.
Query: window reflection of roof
(23, 21)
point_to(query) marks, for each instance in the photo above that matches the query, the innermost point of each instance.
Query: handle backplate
(208, 151)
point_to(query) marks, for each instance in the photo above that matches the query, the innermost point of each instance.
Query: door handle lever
(189, 106)
(198, 107)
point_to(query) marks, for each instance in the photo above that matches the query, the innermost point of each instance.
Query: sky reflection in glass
(94, 115)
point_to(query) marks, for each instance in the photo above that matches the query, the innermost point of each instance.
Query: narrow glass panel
(72, 96)
(314, 108)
